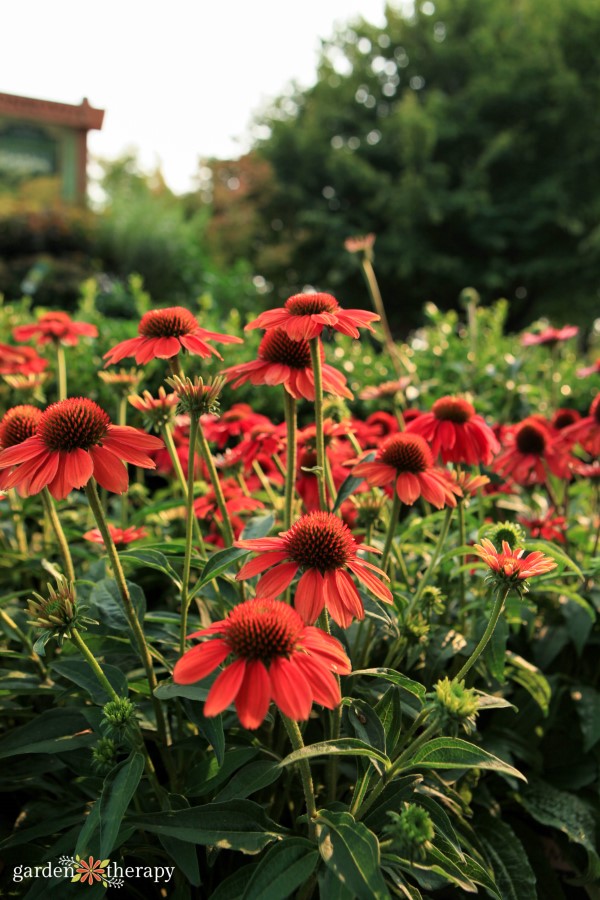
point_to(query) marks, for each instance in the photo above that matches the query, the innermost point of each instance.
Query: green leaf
(211, 728)
(512, 871)
(530, 678)
(233, 887)
(209, 774)
(407, 684)
(351, 851)
(567, 813)
(257, 527)
(52, 731)
(391, 797)
(495, 652)
(350, 484)
(285, 867)
(183, 854)
(220, 562)
(101, 827)
(389, 710)
(366, 725)
(251, 778)
(152, 559)
(107, 606)
(167, 690)
(454, 753)
(233, 825)
(340, 747)
(490, 701)
(331, 888)
(587, 704)
(558, 555)
(78, 671)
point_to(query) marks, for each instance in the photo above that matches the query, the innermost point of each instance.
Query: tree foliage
(462, 135)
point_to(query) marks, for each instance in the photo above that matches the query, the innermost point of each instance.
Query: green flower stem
(122, 420)
(134, 623)
(16, 508)
(399, 361)
(394, 516)
(297, 743)
(214, 480)
(167, 436)
(20, 634)
(461, 575)
(189, 527)
(315, 355)
(498, 606)
(432, 563)
(257, 469)
(93, 663)
(61, 371)
(52, 517)
(291, 424)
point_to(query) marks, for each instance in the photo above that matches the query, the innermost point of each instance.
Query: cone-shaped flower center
(73, 424)
(18, 424)
(531, 439)
(263, 630)
(277, 347)
(595, 409)
(310, 304)
(172, 322)
(453, 409)
(406, 453)
(320, 540)
(564, 418)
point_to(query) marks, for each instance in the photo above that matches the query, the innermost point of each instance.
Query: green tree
(466, 137)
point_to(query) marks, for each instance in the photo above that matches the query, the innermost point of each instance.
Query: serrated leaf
(285, 867)
(454, 753)
(78, 671)
(512, 872)
(101, 827)
(233, 825)
(351, 851)
(339, 747)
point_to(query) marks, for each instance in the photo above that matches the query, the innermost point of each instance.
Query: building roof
(83, 117)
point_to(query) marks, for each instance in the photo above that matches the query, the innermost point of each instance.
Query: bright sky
(179, 79)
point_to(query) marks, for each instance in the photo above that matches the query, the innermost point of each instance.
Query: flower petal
(109, 471)
(200, 661)
(254, 696)
(309, 599)
(290, 689)
(225, 689)
(277, 580)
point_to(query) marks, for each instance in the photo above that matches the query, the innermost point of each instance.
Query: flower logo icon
(91, 870)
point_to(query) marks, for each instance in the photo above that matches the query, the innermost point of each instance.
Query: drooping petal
(335, 602)
(277, 580)
(408, 487)
(323, 683)
(200, 661)
(310, 596)
(109, 471)
(166, 347)
(373, 584)
(259, 564)
(254, 695)
(225, 689)
(290, 689)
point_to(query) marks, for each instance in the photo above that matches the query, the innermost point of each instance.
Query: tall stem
(130, 611)
(498, 605)
(17, 514)
(61, 371)
(216, 484)
(189, 526)
(315, 355)
(93, 663)
(167, 436)
(461, 575)
(52, 517)
(35, 657)
(432, 563)
(394, 516)
(122, 420)
(291, 424)
(397, 360)
(297, 743)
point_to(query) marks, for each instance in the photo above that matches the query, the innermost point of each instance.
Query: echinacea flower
(239, 420)
(163, 333)
(359, 243)
(156, 411)
(121, 536)
(509, 568)
(530, 452)
(456, 432)
(55, 328)
(321, 546)
(304, 316)
(282, 360)
(385, 389)
(594, 369)
(20, 361)
(586, 431)
(76, 440)
(549, 335)
(17, 425)
(548, 527)
(405, 461)
(275, 656)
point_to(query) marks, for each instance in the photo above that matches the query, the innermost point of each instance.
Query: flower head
(55, 328)
(156, 411)
(594, 369)
(586, 431)
(321, 546)
(385, 389)
(508, 567)
(304, 316)
(548, 527)
(76, 440)
(57, 613)
(455, 431)
(405, 460)
(282, 360)
(163, 333)
(197, 397)
(18, 424)
(362, 243)
(121, 536)
(20, 361)
(530, 450)
(275, 656)
(549, 335)
(126, 379)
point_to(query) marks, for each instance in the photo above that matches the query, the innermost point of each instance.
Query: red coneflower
(453, 430)
(549, 335)
(586, 431)
(236, 501)
(282, 360)
(76, 440)
(163, 333)
(239, 419)
(121, 536)
(564, 417)
(55, 328)
(304, 316)
(385, 389)
(323, 547)
(509, 566)
(406, 460)
(275, 657)
(548, 527)
(20, 361)
(17, 425)
(529, 451)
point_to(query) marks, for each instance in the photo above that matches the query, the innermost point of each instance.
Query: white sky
(179, 79)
